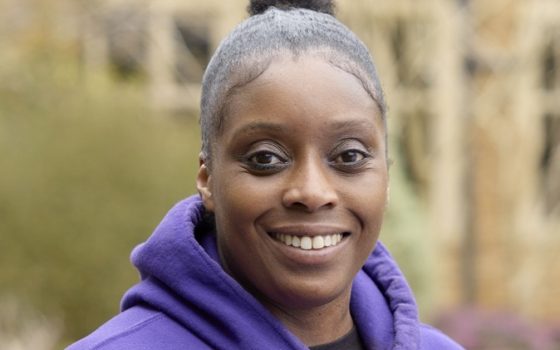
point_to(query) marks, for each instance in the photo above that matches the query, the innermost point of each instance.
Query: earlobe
(203, 182)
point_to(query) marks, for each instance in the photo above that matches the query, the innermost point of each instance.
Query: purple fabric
(186, 301)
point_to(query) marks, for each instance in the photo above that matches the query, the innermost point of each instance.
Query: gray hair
(259, 40)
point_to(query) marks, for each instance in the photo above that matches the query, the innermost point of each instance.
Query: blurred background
(99, 138)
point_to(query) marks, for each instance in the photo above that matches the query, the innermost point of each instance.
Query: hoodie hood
(182, 278)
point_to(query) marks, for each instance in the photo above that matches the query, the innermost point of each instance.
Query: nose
(310, 188)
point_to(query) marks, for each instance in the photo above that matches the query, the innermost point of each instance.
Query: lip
(312, 257)
(307, 230)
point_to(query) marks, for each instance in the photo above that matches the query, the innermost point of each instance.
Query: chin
(306, 294)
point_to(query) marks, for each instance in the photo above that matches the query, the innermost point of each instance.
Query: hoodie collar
(182, 277)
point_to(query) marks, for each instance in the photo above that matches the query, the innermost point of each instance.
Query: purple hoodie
(185, 300)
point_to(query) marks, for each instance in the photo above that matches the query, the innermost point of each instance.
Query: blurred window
(125, 29)
(193, 46)
(550, 162)
(412, 68)
(551, 63)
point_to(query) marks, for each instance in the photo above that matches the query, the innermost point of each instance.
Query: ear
(203, 184)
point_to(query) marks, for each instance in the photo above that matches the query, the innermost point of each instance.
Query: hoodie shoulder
(139, 328)
(433, 338)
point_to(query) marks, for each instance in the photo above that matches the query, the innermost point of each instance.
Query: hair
(276, 29)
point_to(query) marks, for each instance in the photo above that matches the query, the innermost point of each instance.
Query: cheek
(240, 202)
(370, 189)
(239, 205)
(369, 202)
(243, 190)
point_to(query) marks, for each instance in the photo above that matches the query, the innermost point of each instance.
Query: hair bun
(260, 6)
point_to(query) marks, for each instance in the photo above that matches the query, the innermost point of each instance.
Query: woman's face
(298, 183)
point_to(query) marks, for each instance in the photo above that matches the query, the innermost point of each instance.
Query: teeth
(287, 239)
(306, 243)
(328, 241)
(295, 241)
(309, 242)
(318, 242)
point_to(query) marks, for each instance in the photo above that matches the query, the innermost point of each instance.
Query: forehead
(305, 99)
(296, 84)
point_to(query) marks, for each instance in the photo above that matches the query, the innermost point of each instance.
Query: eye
(265, 162)
(349, 157)
(265, 158)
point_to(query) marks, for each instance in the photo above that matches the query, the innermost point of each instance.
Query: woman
(279, 250)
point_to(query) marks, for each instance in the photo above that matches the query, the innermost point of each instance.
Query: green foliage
(87, 171)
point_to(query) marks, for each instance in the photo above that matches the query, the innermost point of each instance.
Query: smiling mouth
(309, 242)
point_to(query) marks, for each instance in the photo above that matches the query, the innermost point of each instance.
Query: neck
(318, 324)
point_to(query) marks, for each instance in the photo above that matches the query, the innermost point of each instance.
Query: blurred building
(474, 94)
(169, 41)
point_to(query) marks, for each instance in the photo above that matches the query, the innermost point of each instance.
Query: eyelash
(350, 166)
(282, 162)
(260, 167)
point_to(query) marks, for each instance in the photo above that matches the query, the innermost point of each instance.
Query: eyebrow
(276, 127)
(258, 126)
(353, 124)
